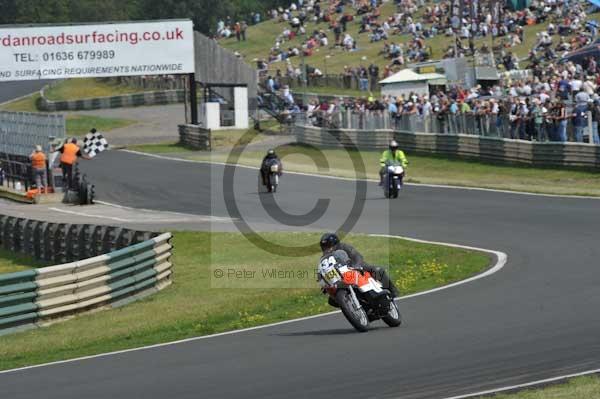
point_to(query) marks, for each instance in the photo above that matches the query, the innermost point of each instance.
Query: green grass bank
(192, 307)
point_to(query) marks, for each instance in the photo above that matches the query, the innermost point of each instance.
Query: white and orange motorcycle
(360, 297)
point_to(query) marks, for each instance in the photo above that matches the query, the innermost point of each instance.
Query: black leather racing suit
(356, 260)
(265, 167)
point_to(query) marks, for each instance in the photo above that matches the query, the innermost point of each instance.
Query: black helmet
(329, 240)
(271, 151)
(394, 145)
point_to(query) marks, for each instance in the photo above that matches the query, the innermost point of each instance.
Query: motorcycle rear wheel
(393, 318)
(357, 317)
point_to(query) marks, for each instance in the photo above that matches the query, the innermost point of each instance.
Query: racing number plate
(329, 272)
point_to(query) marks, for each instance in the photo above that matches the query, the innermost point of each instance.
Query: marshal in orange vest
(38, 160)
(69, 154)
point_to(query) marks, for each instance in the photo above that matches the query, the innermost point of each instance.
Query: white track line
(90, 215)
(186, 216)
(527, 385)
(369, 180)
(500, 262)
(501, 259)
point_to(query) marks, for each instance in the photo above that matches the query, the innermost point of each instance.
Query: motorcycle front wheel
(357, 317)
(272, 183)
(393, 318)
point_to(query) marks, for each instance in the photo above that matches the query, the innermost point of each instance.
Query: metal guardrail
(486, 125)
(20, 132)
(32, 297)
(15, 170)
(100, 265)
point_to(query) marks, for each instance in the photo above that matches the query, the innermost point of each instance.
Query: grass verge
(431, 169)
(191, 308)
(11, 262)
(79, 125)
(577, 388)
(78, 89)
(26, 104)
(221, 139)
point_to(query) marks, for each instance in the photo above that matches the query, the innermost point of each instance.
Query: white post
(212, 115)
(240, 99)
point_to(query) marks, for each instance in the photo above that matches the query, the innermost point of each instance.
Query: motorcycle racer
(393, 154)
(269, 159)
(331, 246)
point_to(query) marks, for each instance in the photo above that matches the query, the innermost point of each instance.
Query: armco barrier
(576, 155)
(34, 297)
(126, 100)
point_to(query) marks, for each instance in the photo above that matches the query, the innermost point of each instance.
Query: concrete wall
(483, 148)
(215, 65)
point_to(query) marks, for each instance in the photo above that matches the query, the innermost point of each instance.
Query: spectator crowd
(552, 101)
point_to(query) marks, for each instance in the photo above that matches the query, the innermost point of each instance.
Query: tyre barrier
(64, 242)
(32, 298)
(195, 137)
(161, 97)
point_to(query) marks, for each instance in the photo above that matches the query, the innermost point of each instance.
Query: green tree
(102, 11)
(42, 11)
(204, 13)
(8, 12)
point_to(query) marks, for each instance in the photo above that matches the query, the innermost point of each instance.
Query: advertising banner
(77, 51)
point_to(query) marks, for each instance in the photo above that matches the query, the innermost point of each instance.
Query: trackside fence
(20, 132)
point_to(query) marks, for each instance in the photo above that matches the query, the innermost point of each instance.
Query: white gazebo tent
(407, 81)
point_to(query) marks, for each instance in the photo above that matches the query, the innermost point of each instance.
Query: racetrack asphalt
(12, 90)
(536, 318)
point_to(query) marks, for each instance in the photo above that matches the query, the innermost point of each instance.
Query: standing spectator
(374, 75)
(243, 29)
(441, 113)
(237, 28)
(564, 88)
(595, 120)
(363, 80)
(580, 121)
(453, 115)
(537, 113)
(561, 118)
(38, 165)
(513, 117)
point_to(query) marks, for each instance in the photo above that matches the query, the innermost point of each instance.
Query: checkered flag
(94, 143)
